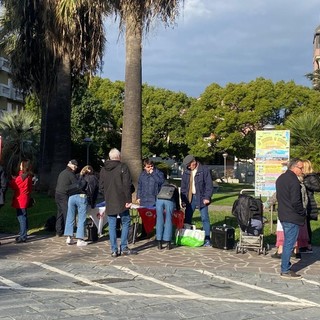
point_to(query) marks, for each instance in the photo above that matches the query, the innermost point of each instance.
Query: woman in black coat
(312, 182)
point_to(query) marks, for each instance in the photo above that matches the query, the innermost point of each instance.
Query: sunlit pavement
(47, 279)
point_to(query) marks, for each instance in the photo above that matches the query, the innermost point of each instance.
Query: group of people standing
(296, 209)
(74, 193)
(115, 184)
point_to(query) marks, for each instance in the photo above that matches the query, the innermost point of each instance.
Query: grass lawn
(45, 207)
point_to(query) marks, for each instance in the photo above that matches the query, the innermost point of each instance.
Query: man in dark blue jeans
(291, 212)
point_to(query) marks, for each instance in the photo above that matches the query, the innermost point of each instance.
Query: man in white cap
(65, 179)
(196, 192)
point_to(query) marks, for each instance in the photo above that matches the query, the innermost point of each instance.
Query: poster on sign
(272, 156)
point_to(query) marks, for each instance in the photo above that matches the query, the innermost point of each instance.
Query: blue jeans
(291, 232)
(125, 224)
(76, 202)
(164, 226)
(203, 213)
(23, 222)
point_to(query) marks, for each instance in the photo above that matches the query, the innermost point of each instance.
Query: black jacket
(65, 179)
(290, 207)
(312, 183)
(115, 184)
(92, 189)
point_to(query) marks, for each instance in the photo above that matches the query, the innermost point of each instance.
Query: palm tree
(48, 43)
(305, 136)
(18, 132)
(137, 15)
(315, 78)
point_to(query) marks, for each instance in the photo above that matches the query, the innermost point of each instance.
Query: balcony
(5, 65)
(5, 91)
(16, 95)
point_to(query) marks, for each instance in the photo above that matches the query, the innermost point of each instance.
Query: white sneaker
(70, 241)
(81, 243)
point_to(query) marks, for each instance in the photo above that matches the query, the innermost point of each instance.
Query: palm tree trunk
(132, 113)
(56, 134)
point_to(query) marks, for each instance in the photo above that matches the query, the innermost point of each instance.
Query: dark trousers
(62, 209)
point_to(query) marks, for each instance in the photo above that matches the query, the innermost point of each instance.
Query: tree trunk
(132, 113)
(55, 129)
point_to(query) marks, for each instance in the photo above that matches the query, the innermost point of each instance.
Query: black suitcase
(222, 237)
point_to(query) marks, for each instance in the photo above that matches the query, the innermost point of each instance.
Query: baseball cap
(74, 162)
(188, 159)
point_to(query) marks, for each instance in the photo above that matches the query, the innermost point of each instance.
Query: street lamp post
(225, 155)
(87, 141)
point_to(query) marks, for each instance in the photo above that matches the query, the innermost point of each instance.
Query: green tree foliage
(90, 119)
(163, 127)
(314, 77)
(20, 138)
(111, 95)
(226, 119)
(305, 137)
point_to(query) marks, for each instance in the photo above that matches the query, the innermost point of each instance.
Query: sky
(223, 41)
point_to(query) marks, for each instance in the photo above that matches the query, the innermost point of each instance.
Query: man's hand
(128, 205)
(206, 201)
(183, 205)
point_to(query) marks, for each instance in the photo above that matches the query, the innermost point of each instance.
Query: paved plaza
(46, 279)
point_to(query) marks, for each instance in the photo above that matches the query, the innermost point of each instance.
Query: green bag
(190, 237)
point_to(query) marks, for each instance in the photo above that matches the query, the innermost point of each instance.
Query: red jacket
(22, 187)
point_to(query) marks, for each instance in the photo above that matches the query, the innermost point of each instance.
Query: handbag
(166, 192)
(190, 237)
(31, 202)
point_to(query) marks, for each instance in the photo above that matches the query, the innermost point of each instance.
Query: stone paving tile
(53, 249)
(177, 267)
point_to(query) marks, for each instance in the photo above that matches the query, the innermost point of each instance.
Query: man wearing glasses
(196, 192)
(291, 212)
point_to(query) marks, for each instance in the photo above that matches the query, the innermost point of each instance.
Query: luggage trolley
(248, 211)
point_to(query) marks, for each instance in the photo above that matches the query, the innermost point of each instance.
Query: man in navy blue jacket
(291, 212)
(149, 184)
(196, 192)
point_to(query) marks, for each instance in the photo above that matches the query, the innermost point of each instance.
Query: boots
(159, 244)
(168, 246)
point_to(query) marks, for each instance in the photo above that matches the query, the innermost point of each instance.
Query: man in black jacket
(115, 184)
(290, 211)
(65, 179)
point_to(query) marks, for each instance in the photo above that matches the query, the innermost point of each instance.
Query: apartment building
(10, 98)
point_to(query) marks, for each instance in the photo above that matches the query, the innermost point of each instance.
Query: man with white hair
(115, 184)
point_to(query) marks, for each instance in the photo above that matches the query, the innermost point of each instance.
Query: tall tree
(48, 42)
(137, 15)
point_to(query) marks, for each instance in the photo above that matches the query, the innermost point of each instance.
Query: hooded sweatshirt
(115, 184)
